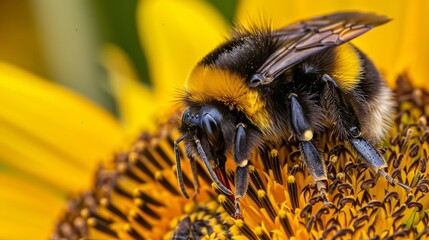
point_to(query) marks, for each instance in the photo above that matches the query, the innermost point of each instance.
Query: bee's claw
(392, 181)
(237, 214)
(322, 191)
(405, 186)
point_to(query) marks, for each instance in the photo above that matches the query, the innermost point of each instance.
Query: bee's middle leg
(310, 154)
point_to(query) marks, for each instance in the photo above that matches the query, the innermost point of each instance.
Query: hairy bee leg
(299, 122)
(209, 168)
(179, 167)
(374, 160)
(311, 156)
(195, 177)
(241, 184)
(315, 165)
(241, 156)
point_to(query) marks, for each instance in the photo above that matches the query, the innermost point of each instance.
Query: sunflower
(134, 194)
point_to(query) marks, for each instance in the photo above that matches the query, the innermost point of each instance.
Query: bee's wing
(308, 37)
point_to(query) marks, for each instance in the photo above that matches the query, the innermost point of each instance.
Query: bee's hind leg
(374, 160)
(310, 154)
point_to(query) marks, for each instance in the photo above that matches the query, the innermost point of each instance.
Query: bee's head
(214, 126)
(208, 132)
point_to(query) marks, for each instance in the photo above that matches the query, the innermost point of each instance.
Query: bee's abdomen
(378, 101)
(356, 97)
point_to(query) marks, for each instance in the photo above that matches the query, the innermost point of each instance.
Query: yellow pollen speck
(132, 213)
(104, 202)
(91, 221)
(261, 193)
(214, 185)
(308, 135)
(291, 179)
(333, 159)
(239, 222)
(282, 213)
(274, 153)
(138, 201)
(127, 227)
(221, 198)
(423, 121)
(158, 175)
(244, 163)
(132, 156)
(136, 192)
(122, 167)
(84, 213)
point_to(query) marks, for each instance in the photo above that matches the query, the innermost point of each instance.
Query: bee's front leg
(241, 158)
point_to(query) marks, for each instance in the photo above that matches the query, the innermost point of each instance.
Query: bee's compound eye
(213, 132)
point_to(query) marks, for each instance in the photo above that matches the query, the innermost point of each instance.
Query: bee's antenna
(179, 167)
(209, 168)
(194, 175)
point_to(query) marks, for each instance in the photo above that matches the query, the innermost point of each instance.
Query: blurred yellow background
(62, 40)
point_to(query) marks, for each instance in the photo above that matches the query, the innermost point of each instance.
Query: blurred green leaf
(117, 20)
(226, 7)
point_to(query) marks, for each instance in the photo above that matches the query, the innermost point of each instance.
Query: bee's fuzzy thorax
(244, 53)
(207, 85)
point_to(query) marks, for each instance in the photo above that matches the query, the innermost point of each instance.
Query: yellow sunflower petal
(50, 132)
(399, 45)
(174, 43)
(413, 53)
(27, 209)
(135, 101)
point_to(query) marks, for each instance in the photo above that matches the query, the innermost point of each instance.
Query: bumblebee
(271, 86)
